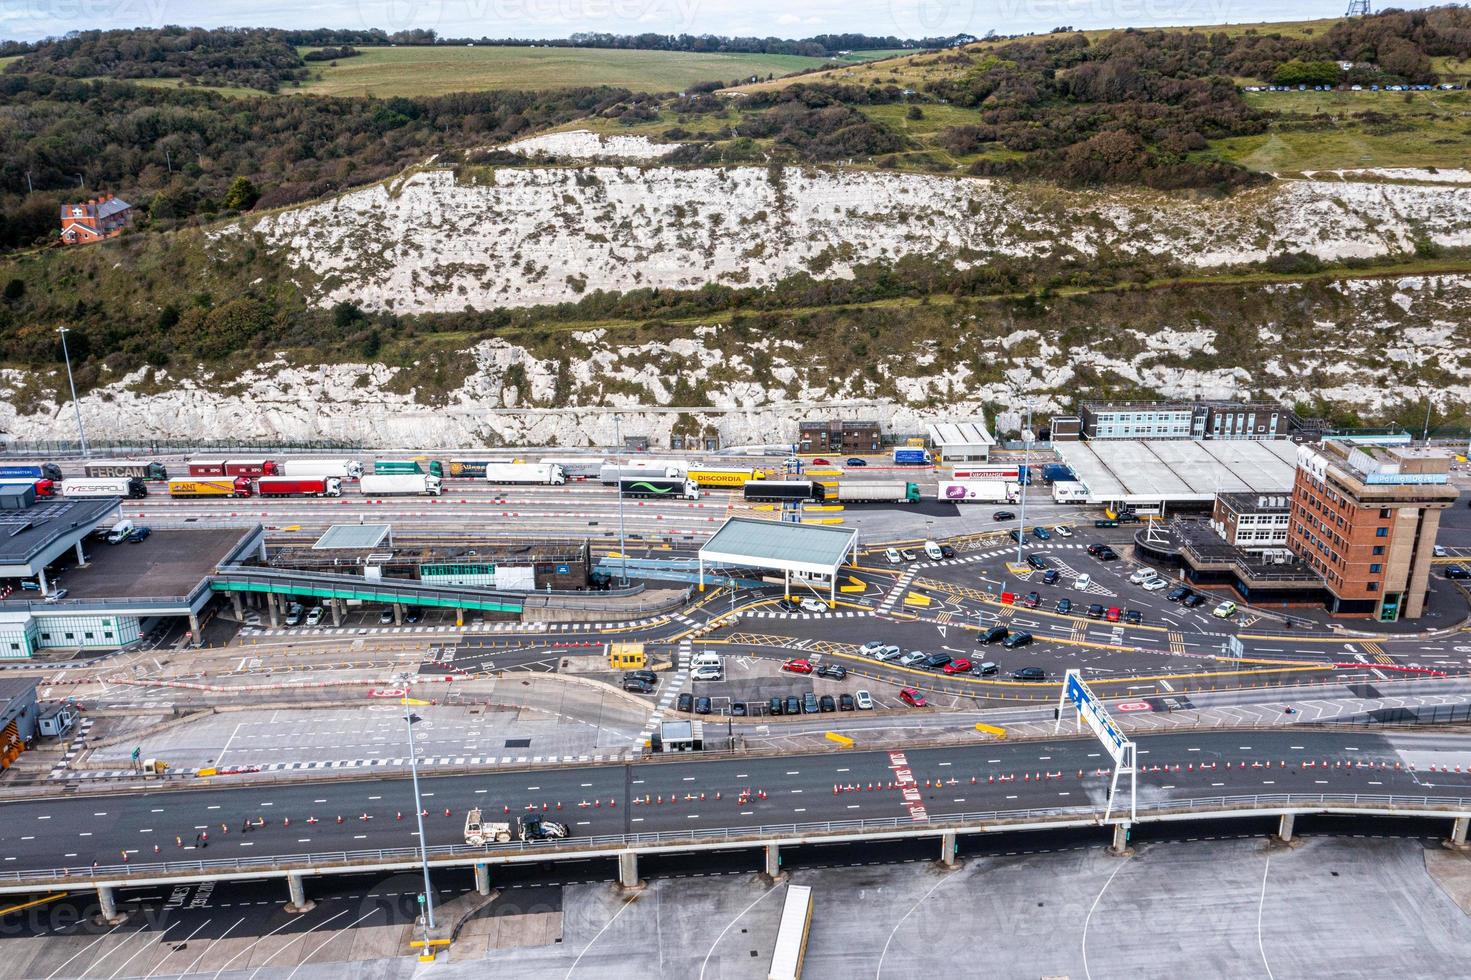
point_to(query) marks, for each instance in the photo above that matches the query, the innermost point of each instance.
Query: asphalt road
(374, 813)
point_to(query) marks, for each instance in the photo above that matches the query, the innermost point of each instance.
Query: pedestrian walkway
(502, 627)
(832, 614)
(339, 764)
(900, 588)
(670, 690)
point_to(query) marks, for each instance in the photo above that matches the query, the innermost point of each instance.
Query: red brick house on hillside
(99, 218)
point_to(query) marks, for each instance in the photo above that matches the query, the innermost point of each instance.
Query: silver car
(887, 653)
(911, 658)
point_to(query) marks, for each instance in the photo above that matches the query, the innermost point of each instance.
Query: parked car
(1143, 575)
(702, 705)
(1097, 548)
(1041, 533)
(1063, 531)
(932, 551)
(1064, 605)
(855, 461)
(870, 648)
(647, 676)
(251, 619)
(845, 702)
(935, 661)
(1456, 571)
(892, 556)
(1037, 561)
(1018, 639)
(385, 616)
(1192, 600)
(1133, 617)
(985, 669)
(957, 666)
(1438, 551)
(314, 615)
(1114, 614)
(888, 653)
(1003, 515)
(1177, 593)
(685, 702)
(946, 551)
(294, 612)
(826, 703)
(1155, 584)
(1051, 576)
(864, 700)
(821, 462)
(1095, 611)
(814, 606)
(412, 614)
(994, 635)
(789, 605)
(773, 707)
(1029, 674)
(809, 704)
(911, 658)
(836, 671)
(140, 534)
(637, 685)
(1032, 600)
(1105, 523)
(912, 697)
(738, 709)
(1015, 535)
(1224, 610)
(908, 555)
(797, 666)
(1108, 554)
(794, 705)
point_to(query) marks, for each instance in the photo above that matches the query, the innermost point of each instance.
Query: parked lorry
(653, 486)
(910, 456)
(876, 493)
(400, 484)
(978, 492)
(419, 464)
(784, 490)
(475, 468)
(45, 488)
(575, 467)
(1069, 491)
(611, 473)
(725, 476)
(547, 474)
(124, 467)
(299, 486)
(232, 467)
(1057, 473)
(27, 472)
(343, 469)
(131, 487)
(224, 486)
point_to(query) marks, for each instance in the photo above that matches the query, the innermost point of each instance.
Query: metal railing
(752, 836)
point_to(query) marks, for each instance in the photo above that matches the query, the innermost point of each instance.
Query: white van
(706, 659)
(1082, 582)
(1143, 575)
(932, 549)
(120, 532)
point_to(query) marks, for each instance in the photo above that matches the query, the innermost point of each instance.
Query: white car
(706, 673)
(251, 619)
(933, 552)
(871, 648)
(1224, 610)
(1143, 575)
(1063, 531)
(892, 556)
(293, 613)
(1154, 584)
(864, 700)
(814, 606)
(314, 615)
(887, 653)
(1438, 551)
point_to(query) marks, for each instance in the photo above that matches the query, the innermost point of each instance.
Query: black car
(836, 671)
(1051, 576)
(412, 614)
(647, 676)
(686, 702)
(1133, 617)
(794, 705)
(846, 703)
(702, 705)
(947, 551)
(1105, 523)
(1097, 548)
(1003, 515)
(1456, 571)
(637, 686)
(855, 461)
(1095, 611)
(1177, 593)
(809, 704)
(826, 703)
(788, 605)
(994, 635)
(1015, 535)
(140, 534)
(1018, 639)
(773, 707)
(738, 709)
(1064, 605)
(1032, 600)
(1192, 600)
(1029, 674)
(935, 661)
(985, 669)
(1108, 554)
(1037, 561)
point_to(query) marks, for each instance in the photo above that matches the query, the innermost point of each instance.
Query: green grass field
(410, 71)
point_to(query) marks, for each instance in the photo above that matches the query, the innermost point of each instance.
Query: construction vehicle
(478, 832)
(537, 827)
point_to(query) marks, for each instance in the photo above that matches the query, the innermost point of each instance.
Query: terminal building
(1197, 420)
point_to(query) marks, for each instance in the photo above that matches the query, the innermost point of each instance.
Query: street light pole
(1425, 436)
(419, 813)
(66, 356)
(622, 549)
(1023, 476)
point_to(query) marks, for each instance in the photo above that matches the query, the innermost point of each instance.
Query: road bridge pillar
(628, 872)
(459, 617)
(237, 605)
(194, 628)
(1120, 845)
(336, 611)
(1458, 832)
(482, 879)
(398, 614)
(299, 902)
(771, 869)
(271, 606)
(1284, 828)
(81, 556)
(947, 850)
(107, 907)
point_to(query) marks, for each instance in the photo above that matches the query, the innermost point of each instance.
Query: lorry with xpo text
(143, 470)
(232, 467)
(876, 493)
(782, 490)
(131, 487)
(299, 486)
(224, 486)
(545, 474)
(419, 464)
(978, 492)
(400, 485)
(676, 487)
(911, 456)
(29, 472)
(343, 469)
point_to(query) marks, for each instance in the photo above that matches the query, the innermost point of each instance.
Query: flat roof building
(1230, 420)
(811, 550)
(967, 441)
(1151, 474)
(1255, 522)
(839, 436)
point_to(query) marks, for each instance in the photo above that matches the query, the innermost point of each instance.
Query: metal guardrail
(739, 836)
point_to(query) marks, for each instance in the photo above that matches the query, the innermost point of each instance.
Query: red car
(957, 666)
(912, 697)
(1114, 614)
(821, 462)
(798, 666)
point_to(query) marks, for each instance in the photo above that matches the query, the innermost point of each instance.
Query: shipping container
(400, 484)
(547, 474)
(911, 457)
(784, 490)
(343, 469)
(419, 464)
(299, 486)
(219, 487)
(653, 486)
(232, 467)
(725, 476)
(475, 468)
(978, 492)
(132, 487)
(19, 472)
(875, 493)
(123, 467)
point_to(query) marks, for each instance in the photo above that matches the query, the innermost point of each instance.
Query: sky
(33, 19)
